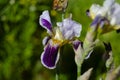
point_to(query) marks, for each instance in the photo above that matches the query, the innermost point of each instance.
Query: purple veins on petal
(77, 28)
(50, 56)
(69, 28)
(68, 34)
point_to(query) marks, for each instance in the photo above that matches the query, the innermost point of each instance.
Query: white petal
(69, 28)
(77, 29)
(115, 15)
(68, 35)
(46, 15)
(45, 21)
(95, 10)
(108, 3)
(60, 25)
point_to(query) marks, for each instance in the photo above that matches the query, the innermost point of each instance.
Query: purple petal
(96, 21)
(103, 21)
(50, 56)
(76, 44)
(45, 21)
(46, 24)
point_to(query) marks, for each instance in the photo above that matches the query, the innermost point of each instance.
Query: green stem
(79, 68)
(81, 62)
(56, 77)
(63, 14)
(78, 71)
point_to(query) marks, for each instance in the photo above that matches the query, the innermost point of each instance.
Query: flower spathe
(65, 32)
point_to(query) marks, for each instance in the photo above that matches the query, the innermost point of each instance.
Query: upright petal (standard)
(45, 21)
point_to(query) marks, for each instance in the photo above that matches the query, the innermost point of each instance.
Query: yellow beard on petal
(57, 38)
(55, 41)
(58, 35)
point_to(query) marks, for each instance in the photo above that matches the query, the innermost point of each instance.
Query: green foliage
(20, 42)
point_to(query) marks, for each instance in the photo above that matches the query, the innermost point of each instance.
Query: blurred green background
(21, 41)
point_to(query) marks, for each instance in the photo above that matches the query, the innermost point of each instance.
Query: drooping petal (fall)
(50, 56)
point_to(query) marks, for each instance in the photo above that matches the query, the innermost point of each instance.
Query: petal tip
(45, 65)
(45, 21)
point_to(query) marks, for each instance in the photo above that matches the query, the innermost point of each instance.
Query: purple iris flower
(108, 13)
(65, 32)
